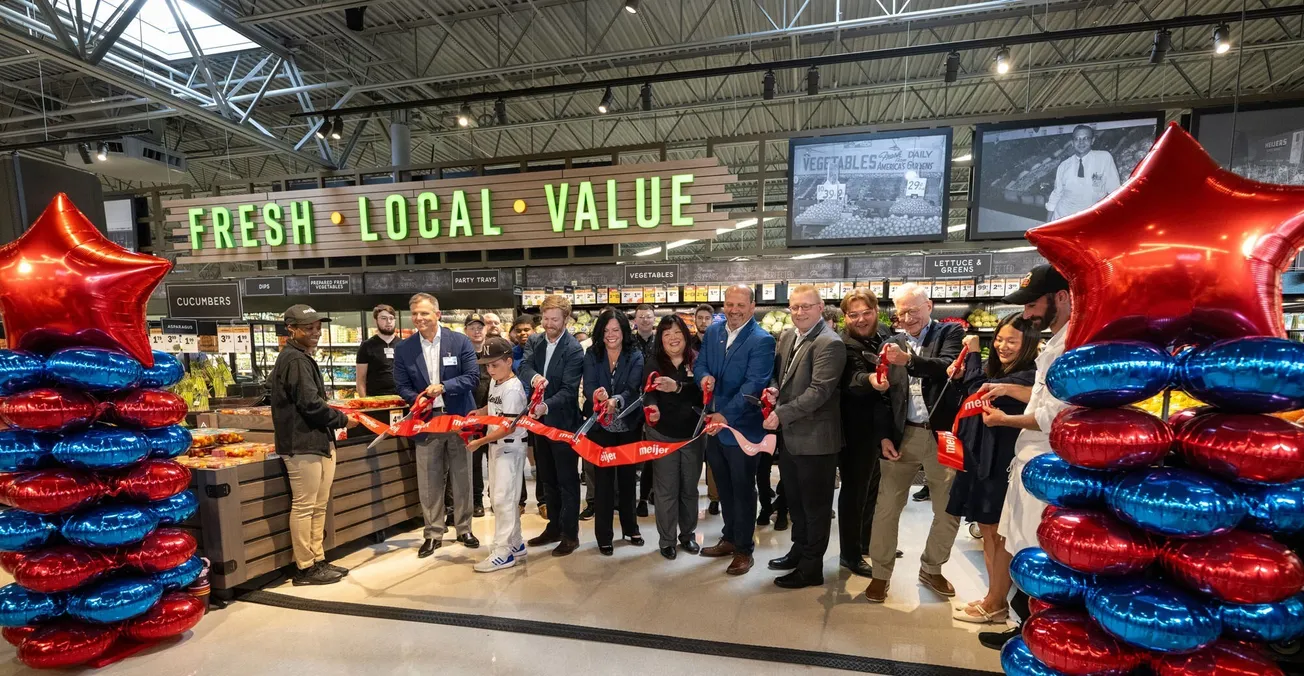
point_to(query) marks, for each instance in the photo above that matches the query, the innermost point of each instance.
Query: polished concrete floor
(636, 590)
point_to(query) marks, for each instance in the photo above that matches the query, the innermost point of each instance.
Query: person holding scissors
(670, 417)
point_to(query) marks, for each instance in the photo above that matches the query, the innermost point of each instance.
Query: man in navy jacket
(737, 359)
(441, 365)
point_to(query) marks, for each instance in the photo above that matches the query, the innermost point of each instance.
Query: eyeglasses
(803, 307)
(909, 312)
(853, 316)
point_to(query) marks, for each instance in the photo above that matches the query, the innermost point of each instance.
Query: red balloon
(1222, 658)
(49, 409)
(1244, 446)
(1109, 438)
(1203, 246)
(1069, 641)
(63, 283)
(16, 635)
(154, 480)
(1095, 542)
(1036, 605)
(147, 409)
(163, 549)
(65, 644)
(1179, 418)
(10, 561)
(61, 568)
(52, 491)
(1238, 567)
(174, 614)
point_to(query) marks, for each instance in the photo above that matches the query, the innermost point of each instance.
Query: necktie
(1081, 173)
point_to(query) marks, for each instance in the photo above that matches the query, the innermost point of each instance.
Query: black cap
(1042, 280)
(303, 314)
(495, 348)
(473, 318)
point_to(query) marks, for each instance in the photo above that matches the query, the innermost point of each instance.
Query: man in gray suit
(808, 361)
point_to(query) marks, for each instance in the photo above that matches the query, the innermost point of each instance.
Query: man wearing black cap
(303, 422)
(1044, 295)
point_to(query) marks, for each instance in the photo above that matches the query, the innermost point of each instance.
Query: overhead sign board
(651, 274)
(206, 300)
(264, 286)
(957, 265)
(319, 285)
(475, 280)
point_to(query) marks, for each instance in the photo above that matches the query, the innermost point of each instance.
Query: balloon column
(1161, 550)
(86, 451)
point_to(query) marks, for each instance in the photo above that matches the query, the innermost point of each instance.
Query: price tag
(660, 294)
(172, 343)
(634, 295)
(233, 340)
(915, 187)
(672, 294)
(713, 294)
(395, 416)
(767, 291)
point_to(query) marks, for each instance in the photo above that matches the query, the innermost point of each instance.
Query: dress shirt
(547, 355)
(1042, 404)
(916, 407)
(1080, 182)
(733, 333)
(430, 351)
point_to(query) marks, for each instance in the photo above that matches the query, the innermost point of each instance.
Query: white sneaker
(496, 562)
(520, 552)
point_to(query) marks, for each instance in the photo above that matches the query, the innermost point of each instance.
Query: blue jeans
(735, 479)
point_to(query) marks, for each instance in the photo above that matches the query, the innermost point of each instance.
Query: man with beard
(1044, 295)
(376, 355)
(493, 325)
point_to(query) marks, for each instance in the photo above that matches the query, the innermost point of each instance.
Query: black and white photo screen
(865, 188)
(1265, 144)
(1029, 174)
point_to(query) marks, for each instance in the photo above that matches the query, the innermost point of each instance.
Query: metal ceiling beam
(197, 52)
(307, 10)
(60, 31)
(113, 29)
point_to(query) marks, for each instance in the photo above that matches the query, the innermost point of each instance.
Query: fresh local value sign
(623, 203)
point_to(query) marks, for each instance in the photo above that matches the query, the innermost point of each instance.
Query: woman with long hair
(979, 491)
(670, 417)
(613, 368)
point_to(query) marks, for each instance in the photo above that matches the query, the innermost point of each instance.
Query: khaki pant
(712, 493)
(918, 450)
(310, 487)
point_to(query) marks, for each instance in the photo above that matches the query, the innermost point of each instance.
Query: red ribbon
(950, 451)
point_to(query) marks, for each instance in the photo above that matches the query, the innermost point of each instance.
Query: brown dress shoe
(721, 548)
(937, 583)
(877, 591)
(566, 546)
(741, 564)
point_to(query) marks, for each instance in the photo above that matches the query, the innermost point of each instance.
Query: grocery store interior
(347, 154)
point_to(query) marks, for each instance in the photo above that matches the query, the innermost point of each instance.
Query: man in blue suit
(737, 359)
(440, 364)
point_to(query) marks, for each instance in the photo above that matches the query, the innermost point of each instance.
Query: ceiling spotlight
(645, 95)
(1163, 42)
(464, 116)
(337, 130)
(84, 150)
(1003, 60)
(767, 83)
(500, 111)
(103, 153)
(604, 106)
(323, 128)
(1222, 39)
(631, 6)
(952, 67)
(812, 80)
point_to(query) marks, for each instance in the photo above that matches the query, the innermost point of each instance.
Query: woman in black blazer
(613, 371)
(670, 417)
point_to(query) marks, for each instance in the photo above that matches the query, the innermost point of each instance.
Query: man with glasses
(922, 401)
(375, 357)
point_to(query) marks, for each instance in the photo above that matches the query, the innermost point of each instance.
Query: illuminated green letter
(426, 203)
(396, 217)
(486, 216)
(641, 198)
(364, 222)
(222, 228)
(245, 215)
(272, 219)
(585, 209)
(196, 227)
(678, 199)
(301, 221)
(613, 223)
(460, 218)
(557, 206)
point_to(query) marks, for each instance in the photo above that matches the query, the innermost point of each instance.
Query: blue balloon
(168, 442)
(114, 600)
(93, 368)
(20, 530)
(1268, 622)
(1107, 375)
(1042, 578)
(102, 447)
(165, 372)
(110, 526)
(20, 606)
(1051, 479)
(1247, 375)
(1177, 502)
(1153, 615)
(1275, 508)
(22, 450)
(182, 576)
(19, 371)
(176, 509)
(1017, 660)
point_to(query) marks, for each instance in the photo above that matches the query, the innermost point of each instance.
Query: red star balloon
(1183, 252)
(63, 283)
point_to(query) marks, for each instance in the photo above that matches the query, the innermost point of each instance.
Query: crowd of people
(842, 419)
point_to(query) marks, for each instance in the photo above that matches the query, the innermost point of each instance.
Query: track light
(767, 84)
(500, 111)
(103, 154)
(84, 150)
(323, 128)
(1003, 60)
(645, 95)
(812, 80)
(1163, 42)
(1222, 39)
(464, 116)
(952, 67)
(631, 6)
(337, 130)
(604, 106)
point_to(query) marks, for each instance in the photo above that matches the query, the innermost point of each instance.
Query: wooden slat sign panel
(601, 205)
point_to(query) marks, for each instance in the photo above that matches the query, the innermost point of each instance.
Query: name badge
(916, 387)
(450, 361)
(389, 353)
